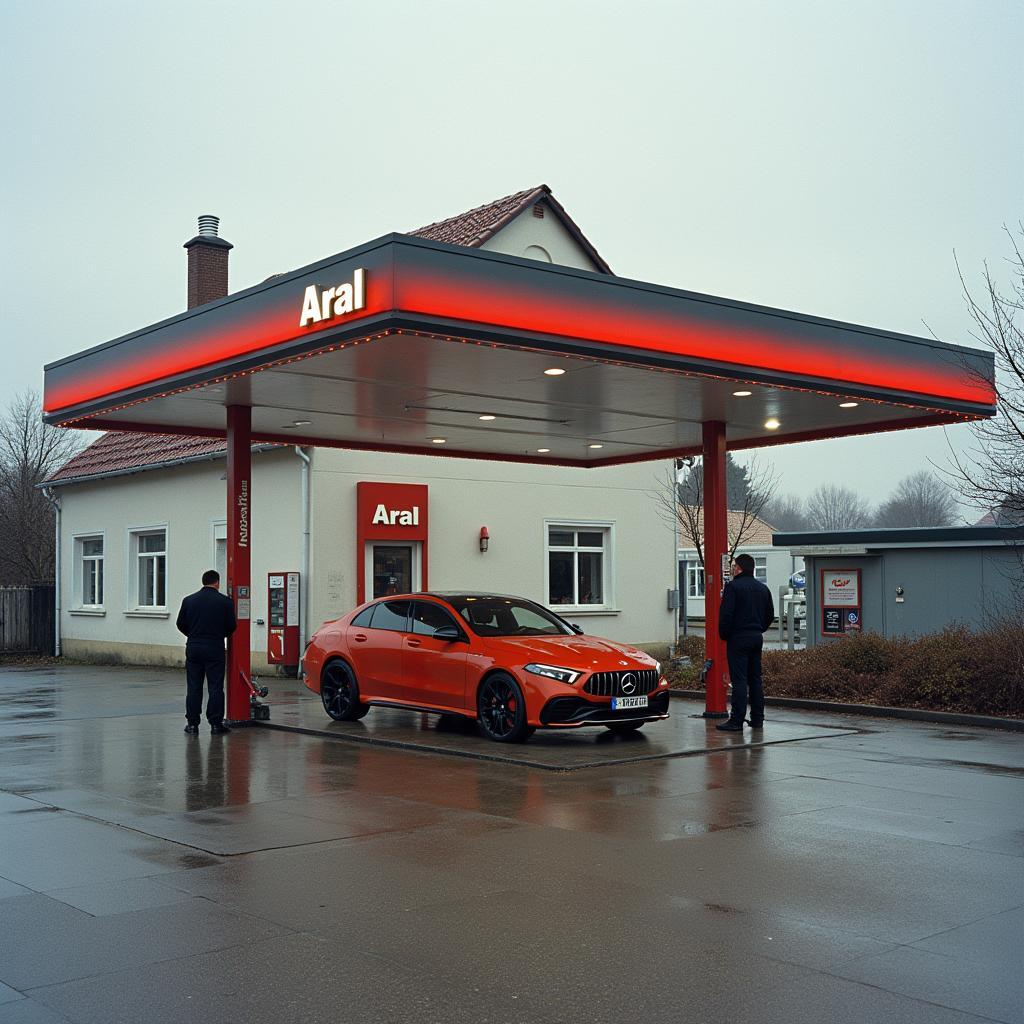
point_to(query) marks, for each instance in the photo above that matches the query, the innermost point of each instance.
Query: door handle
(414, 643)
(360, 638)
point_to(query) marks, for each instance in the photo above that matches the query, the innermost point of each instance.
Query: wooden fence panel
(27, 619)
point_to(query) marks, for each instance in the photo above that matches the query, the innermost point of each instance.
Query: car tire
(624, 727)
(501, 710)
(339, 692)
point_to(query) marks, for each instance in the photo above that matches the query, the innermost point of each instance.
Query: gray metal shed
(908, 582)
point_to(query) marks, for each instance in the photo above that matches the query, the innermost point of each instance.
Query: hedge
(958, 670)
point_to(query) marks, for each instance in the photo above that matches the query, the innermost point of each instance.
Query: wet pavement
(873, 871)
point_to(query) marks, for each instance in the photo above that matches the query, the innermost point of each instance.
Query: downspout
(55, 502)
(304, 567)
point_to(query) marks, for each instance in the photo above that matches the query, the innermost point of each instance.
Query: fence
(27, 619)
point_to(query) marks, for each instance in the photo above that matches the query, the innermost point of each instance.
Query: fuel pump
(283, 620)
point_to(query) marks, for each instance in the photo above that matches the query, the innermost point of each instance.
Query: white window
(761, 568)
(149, 569)
(695, 581)
(89, 571)
(579, 564)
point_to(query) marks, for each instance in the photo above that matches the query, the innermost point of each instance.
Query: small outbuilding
(908, 582)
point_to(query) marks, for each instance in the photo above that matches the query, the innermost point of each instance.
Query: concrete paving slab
(683, 734)
(770, 884)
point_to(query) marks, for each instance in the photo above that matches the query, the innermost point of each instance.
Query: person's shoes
(757, 724)
(192, 730)
(219, 728)
(730, 726)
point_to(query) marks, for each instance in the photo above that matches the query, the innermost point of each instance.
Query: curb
(879, 711)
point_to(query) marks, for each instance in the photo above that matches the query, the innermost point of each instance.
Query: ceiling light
(439, 440)
(596, 446)
(742, 394)
(772, 424)
(301, 423)
(488, 417)
(848, 405)
(555, 371)
(543, 451)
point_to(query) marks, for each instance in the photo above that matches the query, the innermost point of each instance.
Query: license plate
(618, 703)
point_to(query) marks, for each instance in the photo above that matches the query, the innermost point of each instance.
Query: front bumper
(562, 712)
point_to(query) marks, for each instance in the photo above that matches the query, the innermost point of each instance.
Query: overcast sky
(825, 157)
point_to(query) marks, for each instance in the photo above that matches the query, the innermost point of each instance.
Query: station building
(142, 515)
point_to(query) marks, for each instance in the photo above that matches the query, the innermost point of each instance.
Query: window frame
(696, 584)
(606, 527)
(78, 571)
(134, 556)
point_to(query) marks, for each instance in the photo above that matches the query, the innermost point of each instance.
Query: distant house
(773, 566)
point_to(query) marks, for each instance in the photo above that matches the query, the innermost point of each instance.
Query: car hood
(585, 653)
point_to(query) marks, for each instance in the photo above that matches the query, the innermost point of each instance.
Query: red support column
(716, 553)
(239, 561)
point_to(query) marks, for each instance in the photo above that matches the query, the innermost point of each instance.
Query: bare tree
(786, 512)
(920, 499)
(991, 475)
(29, 452)
(831, 507)
(748, 490)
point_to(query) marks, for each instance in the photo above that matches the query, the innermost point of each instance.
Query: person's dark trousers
(744, 654)
(204, 661)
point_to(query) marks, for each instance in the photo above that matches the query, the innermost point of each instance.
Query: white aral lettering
(384, 516)
(324, 304)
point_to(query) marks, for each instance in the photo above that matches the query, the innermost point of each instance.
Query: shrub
(954, 670)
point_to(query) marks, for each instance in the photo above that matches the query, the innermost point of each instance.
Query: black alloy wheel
(501, 710)
(624, 727)
(340, 693)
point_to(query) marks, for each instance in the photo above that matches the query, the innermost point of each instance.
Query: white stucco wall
(513, 502)
(525, 231)
(190, 501)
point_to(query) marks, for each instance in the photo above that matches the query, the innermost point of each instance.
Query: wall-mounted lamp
(485, 538)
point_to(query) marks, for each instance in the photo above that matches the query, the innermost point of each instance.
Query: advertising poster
(840, 602)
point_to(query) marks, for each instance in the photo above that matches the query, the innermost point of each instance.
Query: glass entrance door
(392, 569)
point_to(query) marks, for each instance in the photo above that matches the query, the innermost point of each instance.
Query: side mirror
(449, 633)
(576, 629)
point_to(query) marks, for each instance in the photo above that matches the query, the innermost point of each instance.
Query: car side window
(427, 616)
(393, 615)
(362, 620)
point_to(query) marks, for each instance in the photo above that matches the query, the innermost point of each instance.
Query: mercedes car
(511, 664)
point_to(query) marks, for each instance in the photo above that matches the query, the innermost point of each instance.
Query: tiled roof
(474, 227)
(758, 534)
(123, 452)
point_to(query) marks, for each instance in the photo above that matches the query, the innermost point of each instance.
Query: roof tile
(122, 452)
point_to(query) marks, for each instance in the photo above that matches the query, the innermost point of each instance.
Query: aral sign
(840, 589)
(320, 304)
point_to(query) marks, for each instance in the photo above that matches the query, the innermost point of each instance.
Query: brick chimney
(207, 263)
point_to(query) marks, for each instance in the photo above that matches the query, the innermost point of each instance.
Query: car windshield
(508, 616)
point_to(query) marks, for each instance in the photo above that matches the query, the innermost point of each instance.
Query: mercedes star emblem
(628, 683)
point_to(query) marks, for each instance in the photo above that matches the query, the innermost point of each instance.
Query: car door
(376, 649)
(434, 670)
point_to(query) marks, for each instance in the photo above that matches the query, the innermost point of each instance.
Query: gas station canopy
(409, 345)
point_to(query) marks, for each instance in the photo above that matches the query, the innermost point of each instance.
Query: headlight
(563, 675)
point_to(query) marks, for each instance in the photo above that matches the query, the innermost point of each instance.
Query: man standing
(207, 617)
(747, 611)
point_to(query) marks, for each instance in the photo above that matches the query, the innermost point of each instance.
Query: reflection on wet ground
(869, 871)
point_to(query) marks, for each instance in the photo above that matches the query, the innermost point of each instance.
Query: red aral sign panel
(393, 513)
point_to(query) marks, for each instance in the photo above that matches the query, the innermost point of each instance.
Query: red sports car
(511, 664)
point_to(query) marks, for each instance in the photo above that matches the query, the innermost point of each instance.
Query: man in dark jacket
(207, 617)
(747, 611)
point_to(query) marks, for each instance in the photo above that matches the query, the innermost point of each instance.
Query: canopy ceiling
(450, 351)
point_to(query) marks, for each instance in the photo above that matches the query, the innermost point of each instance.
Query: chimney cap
(209, 227)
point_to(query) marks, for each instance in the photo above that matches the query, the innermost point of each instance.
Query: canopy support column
(239, 500)
(716, 565)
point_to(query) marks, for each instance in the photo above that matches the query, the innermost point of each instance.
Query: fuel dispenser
(283, 620)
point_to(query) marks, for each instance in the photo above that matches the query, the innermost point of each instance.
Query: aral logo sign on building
(382, 515)
(319, 304)
(840, 589)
